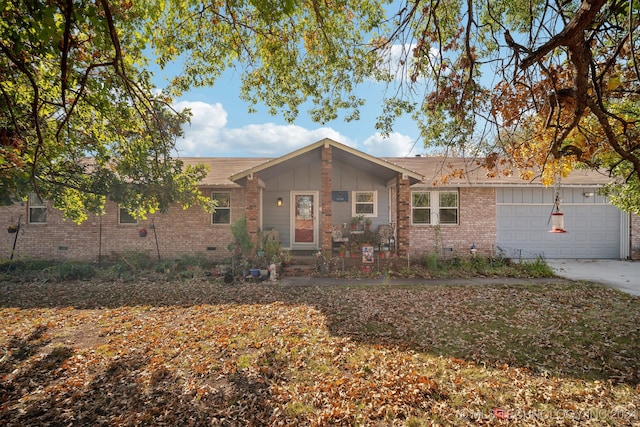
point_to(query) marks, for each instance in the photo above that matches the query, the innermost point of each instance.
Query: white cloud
(397, 60)
(202, 135)
(209, 136)
(395, 145)
(269, 139)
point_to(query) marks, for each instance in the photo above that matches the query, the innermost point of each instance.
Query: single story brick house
(308, 198)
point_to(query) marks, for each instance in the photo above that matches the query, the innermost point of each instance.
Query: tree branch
(572, 31)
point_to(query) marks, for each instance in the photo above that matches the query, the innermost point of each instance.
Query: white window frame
(354, 204)
(428, 207)
(455, 208)
(126, 213)
(37, 204)
(434, 205)
(228, 193)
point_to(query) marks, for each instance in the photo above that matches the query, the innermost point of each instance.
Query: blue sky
(221, 125)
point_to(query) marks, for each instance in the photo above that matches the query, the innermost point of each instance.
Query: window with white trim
(434, 207)
(37, 210)
(222, 215)
(365, 203)
(421, 207)
(124, 217)
(448, 208)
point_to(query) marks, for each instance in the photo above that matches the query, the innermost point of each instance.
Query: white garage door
(593, 226)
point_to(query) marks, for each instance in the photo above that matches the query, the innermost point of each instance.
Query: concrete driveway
(622, 275)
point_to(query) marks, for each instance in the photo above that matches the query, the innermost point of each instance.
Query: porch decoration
(557, 217)
(273, 272)
(367, 254)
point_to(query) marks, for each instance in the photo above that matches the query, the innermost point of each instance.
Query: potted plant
(354, 223)
(12, 229)
(367, 224)
(342, 250)
(142, 232)
(353, 246)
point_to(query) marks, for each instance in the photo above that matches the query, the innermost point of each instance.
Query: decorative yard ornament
(273, 272)
(557, 217)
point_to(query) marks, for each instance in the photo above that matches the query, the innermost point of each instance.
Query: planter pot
(12, 229)
(255, 272)
(142, 233)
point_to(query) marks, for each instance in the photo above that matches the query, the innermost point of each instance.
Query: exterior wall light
(279, 202)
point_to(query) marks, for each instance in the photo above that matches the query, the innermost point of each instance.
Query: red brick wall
(635, 236)
(403, 212)
(178, 231)
(326, 214)
(476, 224)
(252, 189)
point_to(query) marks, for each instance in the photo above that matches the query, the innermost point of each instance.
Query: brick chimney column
(326, 214)
(403, 212)
(252, 212)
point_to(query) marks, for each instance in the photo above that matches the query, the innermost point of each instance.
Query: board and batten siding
(306, 176)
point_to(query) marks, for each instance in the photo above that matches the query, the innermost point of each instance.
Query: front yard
(197, 352)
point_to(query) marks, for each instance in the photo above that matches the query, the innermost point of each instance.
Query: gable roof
(362, 160)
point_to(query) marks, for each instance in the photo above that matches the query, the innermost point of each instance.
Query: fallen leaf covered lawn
(203, 353)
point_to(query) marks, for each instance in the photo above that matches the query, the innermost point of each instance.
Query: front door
(304, 224)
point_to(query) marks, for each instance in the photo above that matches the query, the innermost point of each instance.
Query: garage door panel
(593, 231)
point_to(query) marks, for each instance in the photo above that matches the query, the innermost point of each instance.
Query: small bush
(68, 271)
(536, 268)
(190, 261)
(430, 260)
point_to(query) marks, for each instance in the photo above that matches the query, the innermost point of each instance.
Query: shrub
(536, 268)
(189, 261)
(68, 271)
(430, 260)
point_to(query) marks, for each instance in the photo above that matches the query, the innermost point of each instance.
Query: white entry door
(304, 219)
